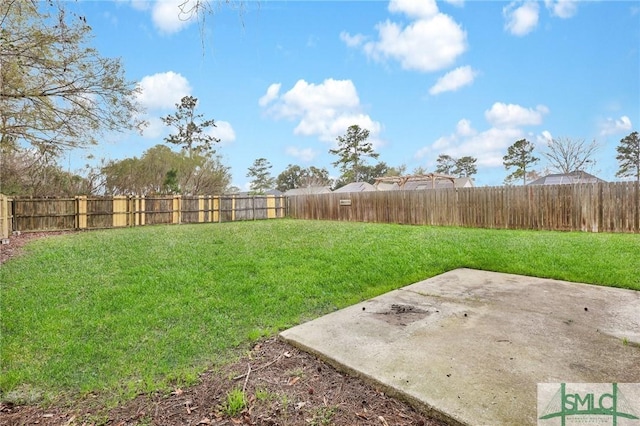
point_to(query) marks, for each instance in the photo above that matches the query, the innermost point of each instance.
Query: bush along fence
(53, 214)
(602, 207)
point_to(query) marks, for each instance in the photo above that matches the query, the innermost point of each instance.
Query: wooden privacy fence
(5, 217)
(602, 207)
(50, 214)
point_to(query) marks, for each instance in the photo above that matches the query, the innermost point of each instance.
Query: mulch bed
(281, 386)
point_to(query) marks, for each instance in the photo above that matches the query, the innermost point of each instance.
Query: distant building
(308, 190)
(253, 194)
(356, 187)
(421, 182)
(387, 186)
(567, 179)
(438, 184)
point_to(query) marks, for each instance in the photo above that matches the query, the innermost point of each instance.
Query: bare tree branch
(566, 155)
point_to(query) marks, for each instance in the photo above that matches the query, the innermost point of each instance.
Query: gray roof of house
(356, 187)
(308, 190)
(386, 186)
(418, 185)
(567, 178)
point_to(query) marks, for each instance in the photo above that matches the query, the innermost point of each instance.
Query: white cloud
(272, 94)
(612, 126)
(511, 115)
(456, 3)
(155, 128)
(140, 4)
(490, 145)
(562, 8)
(424, 45)
(413, 8)
(431, 42)
(463, 128)
(171, 16)
(162, 90)
(223, 131)
(305, 155)
(453, 80)
(543, 139)
(521, 18)
(352, 41)
(324, 110)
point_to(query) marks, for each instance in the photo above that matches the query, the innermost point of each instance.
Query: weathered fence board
(50, 214)
(602, 207)
(6, 217)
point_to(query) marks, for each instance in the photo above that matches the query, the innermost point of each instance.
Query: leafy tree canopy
(57, 92)
(353, 147)
(163, 171)
(460, 167)
(629, 156)
(260, 174)
(33, 172)
(446, 164)
(190, 127)
(295, 176)
(519, 156)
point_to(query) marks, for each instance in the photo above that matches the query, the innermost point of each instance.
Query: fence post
(200, 208)
(81, 212)
(177, 209)
(141, 203)
(4, 217)
(215, 209)
(233, 208)
(271, 207)
(209, 216)
(119, 211)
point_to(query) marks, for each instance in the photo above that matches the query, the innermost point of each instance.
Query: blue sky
(282, 79)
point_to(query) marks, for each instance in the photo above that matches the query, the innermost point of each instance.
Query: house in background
(308, 190)
(421, 182)
(567, 178)
(386, 186)
(356, 187)
(463, 182)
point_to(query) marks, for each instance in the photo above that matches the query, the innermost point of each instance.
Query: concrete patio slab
(471, 346)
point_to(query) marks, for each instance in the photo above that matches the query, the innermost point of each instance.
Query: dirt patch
(402, 315)
(281, 386)
(18, 241)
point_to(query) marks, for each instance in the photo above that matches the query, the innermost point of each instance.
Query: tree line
(564, 155)
(195, 169)
(569, 155)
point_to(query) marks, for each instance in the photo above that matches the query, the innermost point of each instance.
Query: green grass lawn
(123, 311)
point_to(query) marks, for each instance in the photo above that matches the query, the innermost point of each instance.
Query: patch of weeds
(296, 372)
(627, 342)
(235, 403)
(145, 421)
(284, 400)
(323, 416)
(264, 395)
(258, 333)
(95, 419)
(24, 395)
